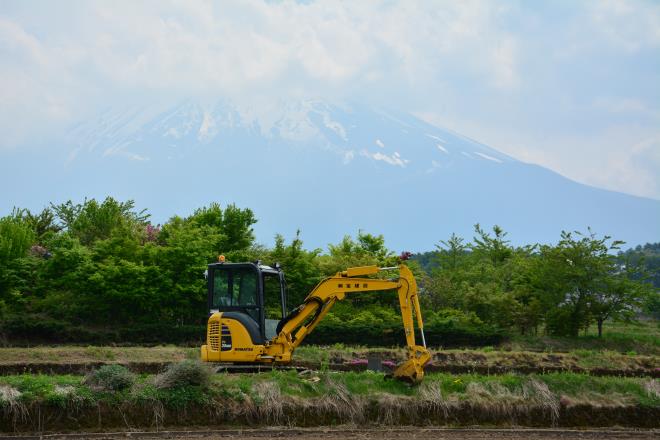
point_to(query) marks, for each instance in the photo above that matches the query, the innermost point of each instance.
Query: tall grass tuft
(11, 405)
(430, 396)
(185, 373)
(112, 377)
(539, 393)
(348, 407)
(652, 388)
(268, 406)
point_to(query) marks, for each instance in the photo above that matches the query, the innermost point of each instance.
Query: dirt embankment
(501, 362)
(538, 363)
(313, 413)
(407, 433)
(355, 365)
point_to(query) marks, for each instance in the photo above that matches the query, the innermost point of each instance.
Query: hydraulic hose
(295, 312)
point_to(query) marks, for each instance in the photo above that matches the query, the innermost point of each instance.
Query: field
(624, 350)
(526, 382)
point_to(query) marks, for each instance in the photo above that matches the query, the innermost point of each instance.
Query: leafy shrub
(28, 329)
(111, 378)
(185, 373)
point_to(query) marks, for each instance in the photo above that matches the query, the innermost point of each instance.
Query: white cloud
(632, 25)
(98, 52)
(526, 77)
(504, 63)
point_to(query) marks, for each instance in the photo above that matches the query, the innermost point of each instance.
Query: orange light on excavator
(221, 258)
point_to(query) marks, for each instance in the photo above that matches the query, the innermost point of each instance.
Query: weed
(341, 402)
(100, 353)
(113, 377)
(539, 393)
(11, 403)
(181, 374)
(430, 395)
(652, 388)
(268, 403)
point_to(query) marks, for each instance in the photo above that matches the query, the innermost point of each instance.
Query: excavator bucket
(412, 370)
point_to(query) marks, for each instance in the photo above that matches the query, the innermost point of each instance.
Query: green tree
(16, 237)
(91, 221)
(496, 248)
(42, 224)
(487, 277)
(367, 250)
(621, 295)
(571, 276)
(300, 267)
(451, 253)
(232, 228)
(237, 228)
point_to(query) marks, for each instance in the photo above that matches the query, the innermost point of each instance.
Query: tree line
(101, 271)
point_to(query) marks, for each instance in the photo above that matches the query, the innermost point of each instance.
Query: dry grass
(430, 394)
(268, 403)
(288, 399)
(349, 407)
(334, 403)
(81, 355)
(539, 393)
(491, 360)
(11, 404)
(652, 388)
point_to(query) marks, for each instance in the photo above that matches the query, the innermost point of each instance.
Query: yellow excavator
(248, 323)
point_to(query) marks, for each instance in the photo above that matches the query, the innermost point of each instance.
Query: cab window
(272, 296)
(234, 288)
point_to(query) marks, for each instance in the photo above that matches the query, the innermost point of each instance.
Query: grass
(490, 359)
(575, 387)
(76, 354)
(327, 398)
(623, 347)
(495, 359)
(635, 338)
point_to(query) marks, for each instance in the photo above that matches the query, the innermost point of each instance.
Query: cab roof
(255, 264)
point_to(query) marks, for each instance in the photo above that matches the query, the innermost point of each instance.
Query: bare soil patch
(363, 434)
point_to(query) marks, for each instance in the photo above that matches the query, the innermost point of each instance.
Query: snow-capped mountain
(328, 170)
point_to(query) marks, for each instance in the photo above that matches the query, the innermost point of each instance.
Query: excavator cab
(252, 294)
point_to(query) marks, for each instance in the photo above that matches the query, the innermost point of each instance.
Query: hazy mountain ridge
(307, 122)
(330, 170)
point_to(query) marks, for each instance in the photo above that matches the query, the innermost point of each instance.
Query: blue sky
(573, 86)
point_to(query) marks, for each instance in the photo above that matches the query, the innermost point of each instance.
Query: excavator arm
(297, 325)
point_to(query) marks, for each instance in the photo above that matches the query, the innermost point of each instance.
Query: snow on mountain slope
(350, 132)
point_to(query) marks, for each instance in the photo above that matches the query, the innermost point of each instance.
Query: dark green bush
(185, 373)
(111, 378)
(30, 329)
(369, 330)
(446, 334)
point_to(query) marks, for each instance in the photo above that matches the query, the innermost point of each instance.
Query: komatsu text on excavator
(249, 323)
